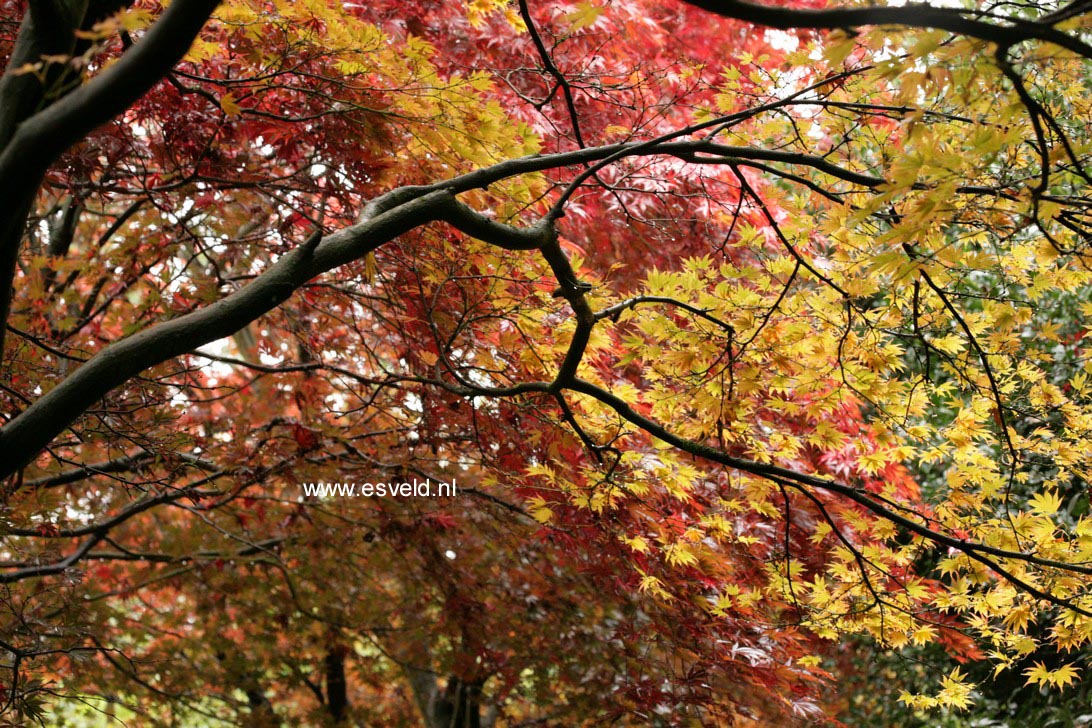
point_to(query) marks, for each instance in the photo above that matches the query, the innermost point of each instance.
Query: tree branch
(29, 432)
(914, 15)
(383, 219)
(39, 140)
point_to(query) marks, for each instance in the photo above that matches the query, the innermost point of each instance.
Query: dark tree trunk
(337, 695)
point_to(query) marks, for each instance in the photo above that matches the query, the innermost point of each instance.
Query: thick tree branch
(39, 140)
(26, 435)
(384, 219)
(1004, 32)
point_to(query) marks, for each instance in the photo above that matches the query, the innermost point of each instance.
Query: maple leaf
(1039, 674)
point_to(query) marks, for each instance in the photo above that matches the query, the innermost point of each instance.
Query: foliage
(678, 304)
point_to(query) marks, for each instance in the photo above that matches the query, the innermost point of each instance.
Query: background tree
(675, 302)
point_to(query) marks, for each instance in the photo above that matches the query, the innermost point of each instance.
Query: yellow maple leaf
(230, 105)
(1046, 503)
(1039, 674)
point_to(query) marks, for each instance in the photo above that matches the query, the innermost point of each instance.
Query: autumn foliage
(739, 332)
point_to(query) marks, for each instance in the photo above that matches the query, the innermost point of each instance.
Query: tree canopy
(746, 332)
